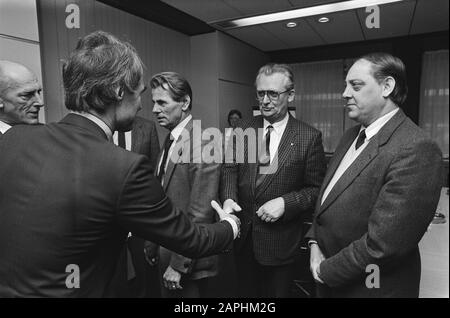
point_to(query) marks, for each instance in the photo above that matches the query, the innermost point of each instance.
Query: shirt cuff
(311, 242)
(233, 225)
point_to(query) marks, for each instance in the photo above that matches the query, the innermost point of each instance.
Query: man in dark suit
(380, 191)
(20, 96)
(278, 192)
(188, 181)
(69, 196)
(137, 275)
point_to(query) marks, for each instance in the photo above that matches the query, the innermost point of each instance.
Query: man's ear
(119, 92)
(291, 95)
(186, 103)
(388, 86)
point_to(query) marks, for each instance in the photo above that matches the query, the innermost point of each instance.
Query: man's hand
(171, 279)
(314, 262)
(224, 215)
(229, 206)
(272, 210)
(151, 253)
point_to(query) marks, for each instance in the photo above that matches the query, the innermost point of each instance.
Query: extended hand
(171, 279)
(314, 262)
(272, 210)
(230, 206)
(225, 215)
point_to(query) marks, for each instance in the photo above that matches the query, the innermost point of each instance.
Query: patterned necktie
(361, 138)
(121, 139)
(167, 144)
(264, 158)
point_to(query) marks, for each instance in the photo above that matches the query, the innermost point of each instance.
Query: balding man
(20, 96)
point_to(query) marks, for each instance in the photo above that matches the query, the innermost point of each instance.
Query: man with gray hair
(20, 96)
(69, 196)
(274, 205)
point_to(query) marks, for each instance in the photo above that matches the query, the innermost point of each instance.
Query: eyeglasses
(272, 95)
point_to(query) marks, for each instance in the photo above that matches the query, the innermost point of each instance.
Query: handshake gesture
(226, 213)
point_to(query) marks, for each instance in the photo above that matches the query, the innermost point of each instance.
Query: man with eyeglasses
(275, 204)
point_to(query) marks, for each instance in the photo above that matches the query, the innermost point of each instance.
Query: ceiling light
(323, 20)
(299, 13)
(291, 24)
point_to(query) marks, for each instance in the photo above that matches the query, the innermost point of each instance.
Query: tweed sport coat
(301, 168)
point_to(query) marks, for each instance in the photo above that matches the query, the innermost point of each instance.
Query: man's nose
(346, 94)
(266, 99)
(39, 102)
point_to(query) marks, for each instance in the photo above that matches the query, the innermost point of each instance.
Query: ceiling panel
(252, 7)
(310, 3)
(343, 27)
(259, 38)
(300, 36)
(206, 10)
(395, 20)
(430, 16)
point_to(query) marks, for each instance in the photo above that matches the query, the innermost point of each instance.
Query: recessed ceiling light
(291, 24)
(298, 13)
(323, 20)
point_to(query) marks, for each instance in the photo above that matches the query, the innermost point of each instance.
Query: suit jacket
(378, 211)
(191, 184)
(68, 196)
(132, 263)
(144, 139)
(301, 168)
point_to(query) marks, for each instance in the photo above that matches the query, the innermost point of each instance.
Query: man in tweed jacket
(274, 204)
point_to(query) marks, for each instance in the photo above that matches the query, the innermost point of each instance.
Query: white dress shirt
(127, 139)
(353, 153)
(4, 127)
(176, 133)
(275, 136)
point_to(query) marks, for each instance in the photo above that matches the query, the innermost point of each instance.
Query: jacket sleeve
(204, 180)
(145, 210)
(304, 199)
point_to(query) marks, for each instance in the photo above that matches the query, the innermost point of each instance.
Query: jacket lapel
(177, 154)
(337, 158)
(136, 136)
(253, 167)
(364, 158)
(283, 152)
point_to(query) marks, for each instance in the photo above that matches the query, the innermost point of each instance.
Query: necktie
(264, 158)
(121, 139)
(361, 138)
(167, 144)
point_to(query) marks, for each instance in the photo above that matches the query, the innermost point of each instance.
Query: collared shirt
(275, 136)
(176, 133)
(127, 139)
(4, 127)
(98, 121)
(353, 153)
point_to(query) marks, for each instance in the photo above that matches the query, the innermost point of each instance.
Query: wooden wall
(160, 48)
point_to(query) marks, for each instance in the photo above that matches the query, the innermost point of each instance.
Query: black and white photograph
(223, 156)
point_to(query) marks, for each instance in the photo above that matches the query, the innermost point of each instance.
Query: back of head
(384, 65)
(177, 86)
(99, 67)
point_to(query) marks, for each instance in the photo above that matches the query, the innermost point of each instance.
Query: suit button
(319, 222)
